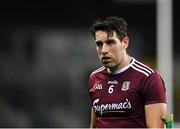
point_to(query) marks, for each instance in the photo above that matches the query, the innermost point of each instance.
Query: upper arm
(153, 113)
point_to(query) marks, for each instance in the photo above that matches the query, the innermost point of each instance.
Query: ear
(126, 42)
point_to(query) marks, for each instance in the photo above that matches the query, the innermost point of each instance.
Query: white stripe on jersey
(142, 68)
(145, 66)
(98, 70)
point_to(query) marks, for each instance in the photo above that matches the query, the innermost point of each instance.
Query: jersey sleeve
(154, 90)
(90, 88)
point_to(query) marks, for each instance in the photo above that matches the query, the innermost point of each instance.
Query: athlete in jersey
(119, 98)
(124, 92)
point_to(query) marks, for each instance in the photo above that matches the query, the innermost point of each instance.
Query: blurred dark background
(47, 54)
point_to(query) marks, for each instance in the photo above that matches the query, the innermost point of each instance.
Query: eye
(99, 43)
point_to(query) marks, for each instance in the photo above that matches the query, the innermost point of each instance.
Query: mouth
(105, 60)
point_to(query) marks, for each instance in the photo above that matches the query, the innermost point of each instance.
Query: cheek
(116, 51)
(98, 51)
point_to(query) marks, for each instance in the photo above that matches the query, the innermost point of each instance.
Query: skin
(112, 53)
(93, 118)
(153, 112)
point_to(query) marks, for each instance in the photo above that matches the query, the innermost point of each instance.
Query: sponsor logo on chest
(111, 107)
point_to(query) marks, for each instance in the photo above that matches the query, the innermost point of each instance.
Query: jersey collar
(122, 69)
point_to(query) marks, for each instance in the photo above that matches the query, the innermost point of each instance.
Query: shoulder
(148, 73)
(142, 68)
(97, 71)
(95, 76)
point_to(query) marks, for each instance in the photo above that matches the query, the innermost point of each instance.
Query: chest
(116, 95)
(116, 89)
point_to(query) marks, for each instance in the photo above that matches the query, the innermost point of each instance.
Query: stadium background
(47, 54)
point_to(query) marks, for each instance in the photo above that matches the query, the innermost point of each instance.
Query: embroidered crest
(125, 86)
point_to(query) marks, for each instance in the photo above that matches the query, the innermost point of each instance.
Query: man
(125, 93)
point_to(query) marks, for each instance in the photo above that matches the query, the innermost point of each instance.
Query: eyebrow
(106, 41)
(110, 40)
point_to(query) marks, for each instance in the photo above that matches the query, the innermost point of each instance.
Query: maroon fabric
(119, 99)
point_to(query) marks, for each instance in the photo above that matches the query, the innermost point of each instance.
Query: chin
(108, 65)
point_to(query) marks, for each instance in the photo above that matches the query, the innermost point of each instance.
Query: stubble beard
(111, 66)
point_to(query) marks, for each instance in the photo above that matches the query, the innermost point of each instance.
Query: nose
(104, 49)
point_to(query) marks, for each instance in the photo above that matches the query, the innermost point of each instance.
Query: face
(111, 50)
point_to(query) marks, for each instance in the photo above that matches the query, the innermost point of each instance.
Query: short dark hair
(110, 24)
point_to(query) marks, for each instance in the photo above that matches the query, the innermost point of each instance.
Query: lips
(105, 59)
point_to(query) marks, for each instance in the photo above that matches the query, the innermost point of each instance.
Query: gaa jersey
(119, 99)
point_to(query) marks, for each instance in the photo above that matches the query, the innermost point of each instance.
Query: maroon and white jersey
(119, 98)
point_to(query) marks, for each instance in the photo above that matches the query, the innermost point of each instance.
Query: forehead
(103, 35)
